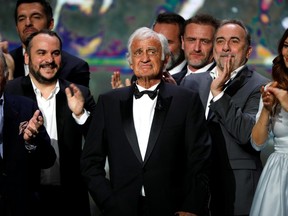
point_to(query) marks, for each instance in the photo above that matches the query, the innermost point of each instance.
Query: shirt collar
(178, 68)
(200, 70)
(214, 72)
(152, 88)
(54, 92)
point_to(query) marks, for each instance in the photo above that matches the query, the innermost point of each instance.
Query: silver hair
(145, 33)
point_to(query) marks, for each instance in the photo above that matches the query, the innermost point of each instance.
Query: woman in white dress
(271, 197)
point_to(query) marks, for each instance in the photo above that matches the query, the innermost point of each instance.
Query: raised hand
(116, 81)
(217, 85)
(75, 100)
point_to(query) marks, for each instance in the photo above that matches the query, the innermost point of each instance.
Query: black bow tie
(151, 94)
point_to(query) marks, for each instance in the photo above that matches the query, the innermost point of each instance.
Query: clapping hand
(278, 95)
(32, 127)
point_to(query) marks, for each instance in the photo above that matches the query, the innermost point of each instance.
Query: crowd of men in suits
(176, 138)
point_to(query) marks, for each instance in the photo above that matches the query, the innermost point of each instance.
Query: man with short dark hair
(32, 16)
(66, 108)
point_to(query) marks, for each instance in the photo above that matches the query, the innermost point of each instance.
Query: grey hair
(145, 33)
(239, 23)
(4, 64)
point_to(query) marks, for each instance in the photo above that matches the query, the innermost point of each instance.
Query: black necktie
(151, 94)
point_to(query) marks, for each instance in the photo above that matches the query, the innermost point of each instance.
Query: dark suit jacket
(73, 68)
(70, 136)
(174, 172)
(180, 75)
(20, 168)
(237, 166)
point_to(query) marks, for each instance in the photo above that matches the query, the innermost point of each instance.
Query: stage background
(97, 31)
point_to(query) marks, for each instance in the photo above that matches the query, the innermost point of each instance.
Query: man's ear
(51, 25)
(249, 52)
(26, 58)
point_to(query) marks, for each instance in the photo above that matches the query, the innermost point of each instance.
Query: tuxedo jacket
(72, 69)
(70, 137)
(20, 167)
(237, 166)
(175, 169)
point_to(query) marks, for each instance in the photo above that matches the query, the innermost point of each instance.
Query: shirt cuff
(218, 96)
(82, 118)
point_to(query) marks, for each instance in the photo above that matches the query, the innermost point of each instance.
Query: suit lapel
(61, 107)
(28, 88)
(204, 88)
(238, 82)
(161, 109)
(126, 108)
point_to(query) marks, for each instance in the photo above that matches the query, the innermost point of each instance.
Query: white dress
(271, 197)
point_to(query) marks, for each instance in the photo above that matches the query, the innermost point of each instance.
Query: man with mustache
(230, 94)
(32, 16)
(66, 109)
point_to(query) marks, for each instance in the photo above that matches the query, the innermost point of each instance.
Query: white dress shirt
(47, 106)
(143, 113)
(178, 68)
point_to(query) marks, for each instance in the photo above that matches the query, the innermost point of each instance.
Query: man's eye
(152, 52)
(138, 53)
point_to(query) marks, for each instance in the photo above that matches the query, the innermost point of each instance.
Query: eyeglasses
(150, 52)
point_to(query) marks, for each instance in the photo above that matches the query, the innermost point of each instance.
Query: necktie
(151, 94)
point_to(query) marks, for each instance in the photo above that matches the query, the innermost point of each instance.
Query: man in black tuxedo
(230, 93)
(157, 144)
(66, 109)
(25, 149)
(35, 15)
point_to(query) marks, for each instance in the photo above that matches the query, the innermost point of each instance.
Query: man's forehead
(151, 41)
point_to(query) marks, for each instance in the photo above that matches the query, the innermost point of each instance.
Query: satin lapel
(126, 107)
(161, 109)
